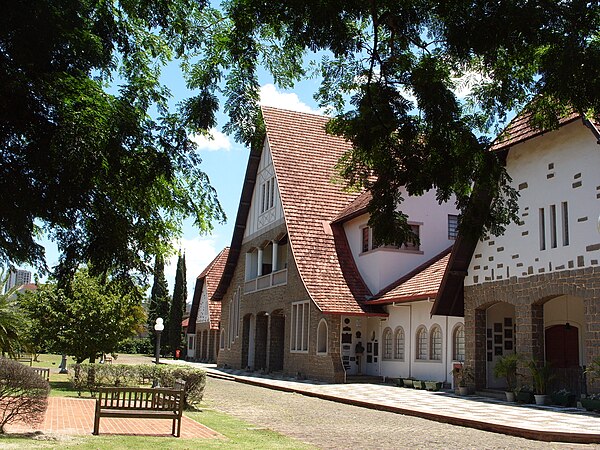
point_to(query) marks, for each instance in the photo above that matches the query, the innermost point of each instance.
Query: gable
(265, 207)
(203, 313)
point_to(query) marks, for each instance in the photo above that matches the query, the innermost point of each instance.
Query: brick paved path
(75, 416)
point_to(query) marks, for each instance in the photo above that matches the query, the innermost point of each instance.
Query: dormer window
(267, 195)
(368, 245)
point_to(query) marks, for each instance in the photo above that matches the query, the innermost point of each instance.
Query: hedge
(92, 376)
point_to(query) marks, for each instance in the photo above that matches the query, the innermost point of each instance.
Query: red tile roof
(420, 284)
(210, 277)
(358, 207)
(304, 158)
(185, 322)
(519, 129)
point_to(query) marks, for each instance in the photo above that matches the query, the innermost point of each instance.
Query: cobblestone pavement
(331, 425)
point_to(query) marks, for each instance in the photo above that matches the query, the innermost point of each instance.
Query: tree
(89, 318)
(159, 297)
(177, 306)
(403, 64)
(81, 157)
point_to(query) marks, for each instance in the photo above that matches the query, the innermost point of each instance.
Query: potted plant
(564, 398)
(407, 382)
(418, 384)
(541, 374)
(462, 376)
(524, 394)
(591, 403)
(506, 367)
(433, 385)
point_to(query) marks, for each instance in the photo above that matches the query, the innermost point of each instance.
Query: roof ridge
(293, 111)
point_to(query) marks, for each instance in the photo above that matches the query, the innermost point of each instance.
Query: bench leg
(96, 424)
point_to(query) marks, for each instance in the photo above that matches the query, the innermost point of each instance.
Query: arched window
(458, 343)
(436, 343)
(322, 336)
(222, 340)
(399, 343)
(422, 348)
(387, 343)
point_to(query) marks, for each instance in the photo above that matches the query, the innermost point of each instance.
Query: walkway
(75, 416)
(544, 423)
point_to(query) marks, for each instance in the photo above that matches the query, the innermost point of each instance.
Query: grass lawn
(238, 434)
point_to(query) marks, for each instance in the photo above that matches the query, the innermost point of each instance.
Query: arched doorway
(499, 339)
(277, 341)
(260, 341)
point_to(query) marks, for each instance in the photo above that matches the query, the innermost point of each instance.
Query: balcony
(273, 279)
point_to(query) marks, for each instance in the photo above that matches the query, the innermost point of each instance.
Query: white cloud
(270, 96)
(214, 141)
(199, 252)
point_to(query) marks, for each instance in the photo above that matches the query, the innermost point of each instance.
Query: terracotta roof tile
(210, 276)
(519, 129)
(304, 158)
(422, 283)
(356, 208)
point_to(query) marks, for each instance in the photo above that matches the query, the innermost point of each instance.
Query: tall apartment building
(17, 277)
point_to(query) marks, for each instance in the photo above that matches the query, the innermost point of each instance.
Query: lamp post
(158, 327)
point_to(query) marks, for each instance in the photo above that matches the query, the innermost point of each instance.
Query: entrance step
(492, 393)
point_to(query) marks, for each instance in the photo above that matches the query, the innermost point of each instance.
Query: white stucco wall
(382, 266)
(410, 316)
(203, 314)
(559, 166)
(257, 222)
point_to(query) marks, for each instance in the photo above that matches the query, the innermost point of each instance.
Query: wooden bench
(145, 403)
(25, 358)
(43, 372)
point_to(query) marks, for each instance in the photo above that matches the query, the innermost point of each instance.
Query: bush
(136, 346)
(23, 394)
(92, 376)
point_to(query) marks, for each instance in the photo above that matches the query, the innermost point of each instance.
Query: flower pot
(510, 396)
(408, 383)
(591, 404)
(418, 384)
(400, 382)
(433, 385)
(463, 390)
(541, 399)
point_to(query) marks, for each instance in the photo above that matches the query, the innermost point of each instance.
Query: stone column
(260, 263)
(274, 258)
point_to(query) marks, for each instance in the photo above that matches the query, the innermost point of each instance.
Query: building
(205, 314)
(536, 288)
(17, 277)
(305, 292)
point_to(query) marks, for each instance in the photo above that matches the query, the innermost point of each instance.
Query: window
(222, 340)
(422, 348)
(553, 239)
(565, 223)
(322, 337)
(452, 226)
(387, 343)
(299, 334)
(414, 228)
(435, 351)
(366, 232)
(191, 342)
(234, 316)
(458, 343)
(399, 344)
(542, 230)
(267, 195)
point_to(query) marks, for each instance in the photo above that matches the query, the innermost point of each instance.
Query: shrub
(136, 346)
(23, 394)
(92, 376)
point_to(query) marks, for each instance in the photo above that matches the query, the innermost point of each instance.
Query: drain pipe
(447, 358)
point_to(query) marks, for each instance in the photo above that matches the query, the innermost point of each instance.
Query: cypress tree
(177, 306)
(159, 297)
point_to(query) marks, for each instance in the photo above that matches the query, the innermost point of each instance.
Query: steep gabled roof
(419, 284)
(304, 158)
(210, 276)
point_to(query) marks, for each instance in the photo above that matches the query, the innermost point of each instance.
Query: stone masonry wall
(528, 295)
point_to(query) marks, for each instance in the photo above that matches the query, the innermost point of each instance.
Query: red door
(562, 346)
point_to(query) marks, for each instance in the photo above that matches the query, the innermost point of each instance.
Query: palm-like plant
(506, 367)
